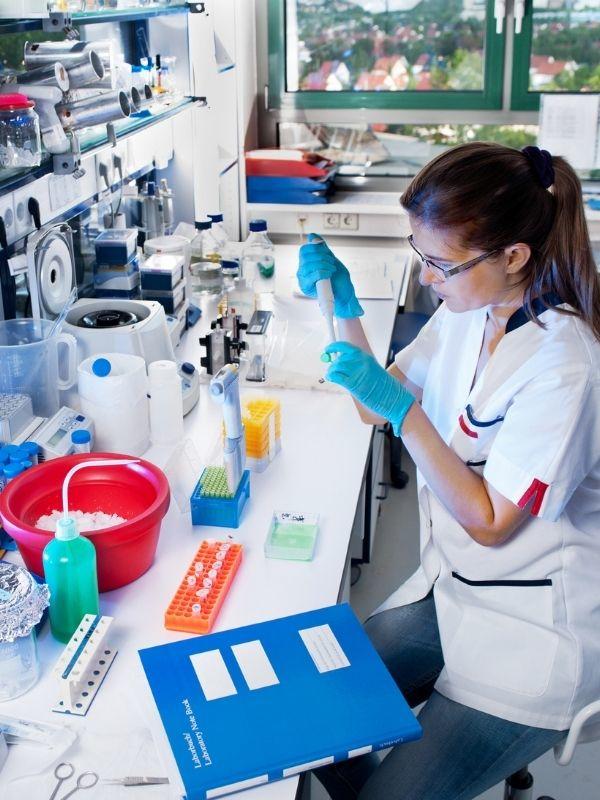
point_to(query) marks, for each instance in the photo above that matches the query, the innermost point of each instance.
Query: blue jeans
(462, 752)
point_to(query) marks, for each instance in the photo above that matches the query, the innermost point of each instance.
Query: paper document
(569, 127)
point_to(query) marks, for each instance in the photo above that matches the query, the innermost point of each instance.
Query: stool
(519, 786)
(406, 328)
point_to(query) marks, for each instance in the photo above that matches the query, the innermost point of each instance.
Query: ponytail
(497, 196)
(565, 264)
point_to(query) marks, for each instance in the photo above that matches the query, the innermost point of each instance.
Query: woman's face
(491, 282)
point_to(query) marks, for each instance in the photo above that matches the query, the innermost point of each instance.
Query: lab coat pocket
(505, 637)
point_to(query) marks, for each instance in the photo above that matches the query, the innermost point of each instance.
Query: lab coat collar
(538, 305)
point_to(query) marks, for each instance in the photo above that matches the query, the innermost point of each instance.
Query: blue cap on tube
(4, 455)
(11, 471)
(81, 437)
(19, 455)
(31, 448)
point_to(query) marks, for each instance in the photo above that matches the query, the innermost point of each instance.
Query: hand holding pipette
(317, 263)
(326, 299)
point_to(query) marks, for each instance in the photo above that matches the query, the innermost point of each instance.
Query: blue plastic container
(217, 512)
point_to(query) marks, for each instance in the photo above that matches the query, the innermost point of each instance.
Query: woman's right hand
(316, 263)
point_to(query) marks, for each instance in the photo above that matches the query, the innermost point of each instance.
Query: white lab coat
(519, 622)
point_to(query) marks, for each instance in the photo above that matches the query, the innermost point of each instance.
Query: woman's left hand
(369, 383)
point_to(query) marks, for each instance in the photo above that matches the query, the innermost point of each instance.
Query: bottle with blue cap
(206, 260)
(81, 441)
(33, 451)
(218, 230)
(70, 572)
(258, 258)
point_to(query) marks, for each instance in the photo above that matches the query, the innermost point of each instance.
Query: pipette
(325, 298)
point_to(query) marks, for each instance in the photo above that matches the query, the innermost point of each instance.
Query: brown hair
(494, 196)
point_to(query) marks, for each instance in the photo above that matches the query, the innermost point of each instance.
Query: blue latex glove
(369, 383)
(318, 262)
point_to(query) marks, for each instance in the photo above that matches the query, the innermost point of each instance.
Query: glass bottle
(206, 258)
(258, 258)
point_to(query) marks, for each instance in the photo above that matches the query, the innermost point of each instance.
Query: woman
(498, 402)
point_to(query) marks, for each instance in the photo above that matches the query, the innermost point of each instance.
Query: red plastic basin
(138, 492)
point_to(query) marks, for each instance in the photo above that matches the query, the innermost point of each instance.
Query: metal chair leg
(519, 786)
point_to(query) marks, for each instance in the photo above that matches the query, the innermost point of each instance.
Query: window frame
(489, 98)
(521, 99)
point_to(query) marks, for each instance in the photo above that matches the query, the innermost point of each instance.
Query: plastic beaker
(29, 362)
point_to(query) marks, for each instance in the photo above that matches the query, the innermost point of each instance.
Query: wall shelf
(15, 179)
(93, 17)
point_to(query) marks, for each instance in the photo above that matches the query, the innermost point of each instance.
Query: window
(385, 54)
(558, 50)
(394, 150)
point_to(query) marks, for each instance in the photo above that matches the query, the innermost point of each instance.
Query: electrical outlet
(104, 170)
(349, 222)
(7, 212)
(331, 221)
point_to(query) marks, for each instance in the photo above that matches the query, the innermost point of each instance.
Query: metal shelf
(92, 17)
(18, 178)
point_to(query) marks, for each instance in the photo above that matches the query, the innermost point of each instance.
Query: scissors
(64, 771)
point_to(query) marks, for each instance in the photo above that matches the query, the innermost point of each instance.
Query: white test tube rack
(83, 665)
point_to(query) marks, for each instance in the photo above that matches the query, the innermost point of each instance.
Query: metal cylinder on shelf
(104, 108)
(135, 99)
(49, 75)
(37, 54)
(89, 69)
(147, 95)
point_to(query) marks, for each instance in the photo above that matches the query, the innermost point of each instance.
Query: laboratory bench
(329, 458)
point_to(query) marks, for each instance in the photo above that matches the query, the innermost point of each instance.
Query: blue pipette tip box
(220, 512)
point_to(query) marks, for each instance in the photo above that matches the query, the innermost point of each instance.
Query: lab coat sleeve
(548, 442)
(414, 359)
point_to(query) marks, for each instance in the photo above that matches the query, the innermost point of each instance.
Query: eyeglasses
(439, 271)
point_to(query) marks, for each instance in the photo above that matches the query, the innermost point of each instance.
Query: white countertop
(320, 469)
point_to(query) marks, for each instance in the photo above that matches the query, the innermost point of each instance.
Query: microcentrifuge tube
(221, 555)
(217, 564)
(196, 608)
(207, 583)
(212, 573)
(202, 593)
(191, 580)
(198, 567)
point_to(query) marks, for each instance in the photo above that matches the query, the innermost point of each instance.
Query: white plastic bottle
(258, 258)
(166, 403)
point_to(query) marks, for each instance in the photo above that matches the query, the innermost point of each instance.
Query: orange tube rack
(201, 593)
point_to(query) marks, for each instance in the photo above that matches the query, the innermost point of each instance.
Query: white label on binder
(213, 674)
(324, 648)
(254, 663)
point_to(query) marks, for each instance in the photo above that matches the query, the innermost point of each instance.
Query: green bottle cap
(325, 358)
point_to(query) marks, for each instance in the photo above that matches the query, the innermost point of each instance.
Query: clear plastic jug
(29, 363)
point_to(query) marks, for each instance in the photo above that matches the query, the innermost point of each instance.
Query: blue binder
(297, 190)
(263, 702)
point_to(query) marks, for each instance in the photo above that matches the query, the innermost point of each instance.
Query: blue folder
(265, 189)
(260, 703)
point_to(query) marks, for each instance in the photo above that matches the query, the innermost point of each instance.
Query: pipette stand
(83, 665)
(221, 493)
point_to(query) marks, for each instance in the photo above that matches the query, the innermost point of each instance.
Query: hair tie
(541, 160)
